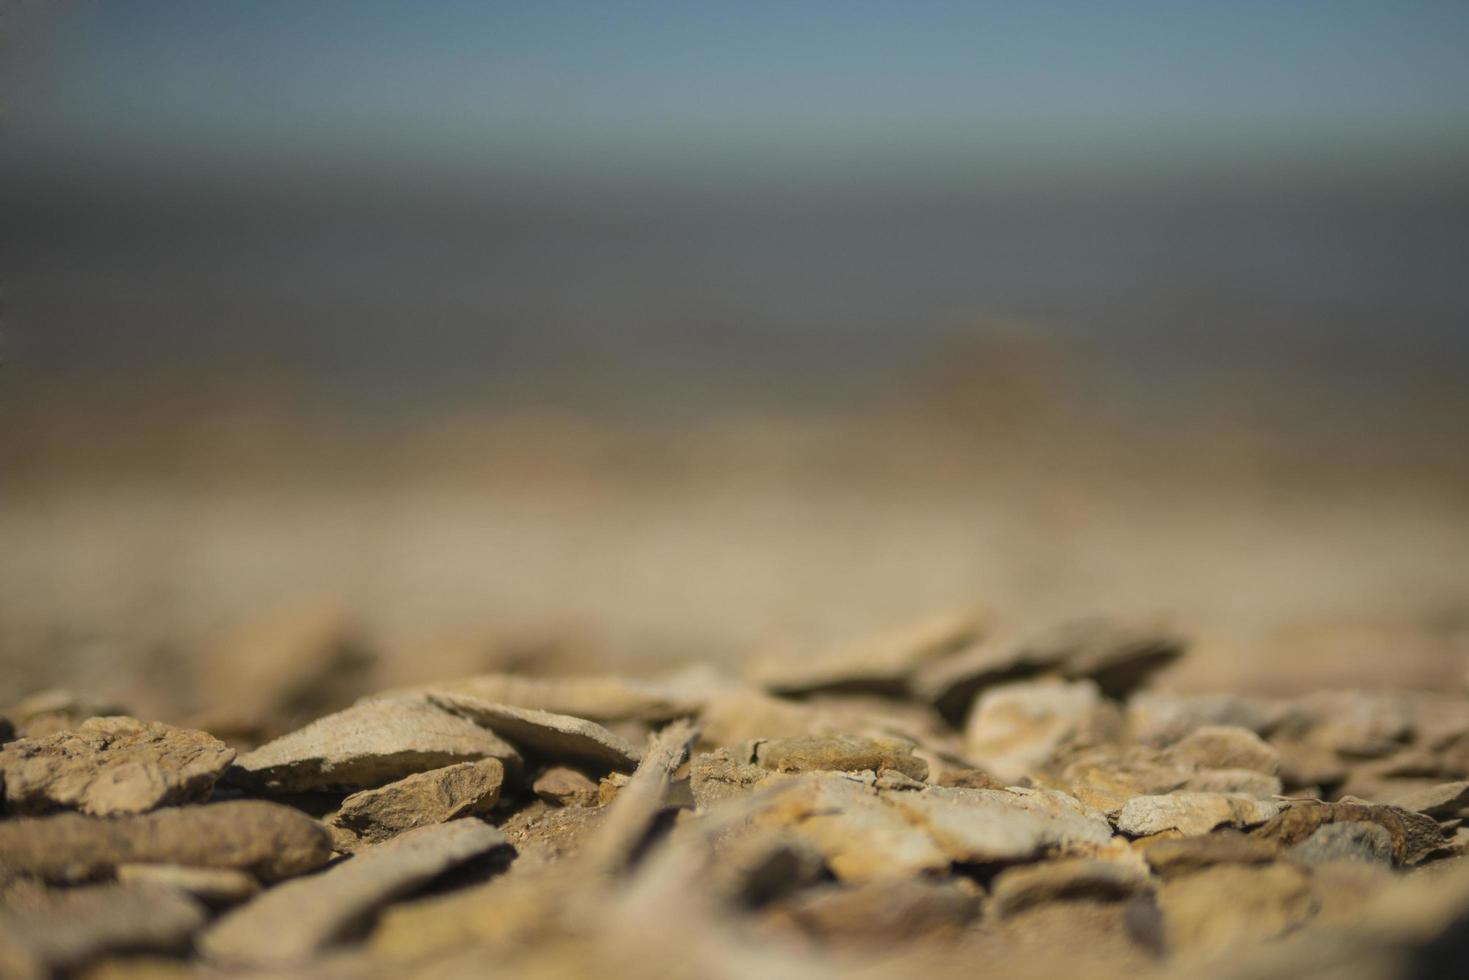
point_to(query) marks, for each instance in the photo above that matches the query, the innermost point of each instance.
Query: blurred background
(577, 336)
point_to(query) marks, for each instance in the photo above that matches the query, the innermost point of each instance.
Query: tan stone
(215, 887)
(1192, 814)
(111, 766)
(1228, 905)
(565, 787)
(60, 930)
(1025, 886)
(1019, 729)
(266, 839)
(368, 745)
(461, 790)
(839, 752)
(547, 736)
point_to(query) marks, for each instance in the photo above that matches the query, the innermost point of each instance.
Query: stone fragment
(1351, 840)
(631, 815)
(1118, 657)
(1159, 719)
(968, 779)
(601, 699)
(1224, 747)
(1359, 724)
(1022, 887)
(1241, 782)
(1191, 814)
(717, 776)
(1229, 905)
(57, 710)
(858, 835)
(1414, 836)
(846, 753)
(1171, 858)
(952, 683)
(1440, 802)
(882, 912)
(368, 745)
(266, 839)
(462, 790)
(565, 787)
(1019, 728)
(882, 664)
(547, 736)
(296, 921)
(111, 766)
(60, 930)
(751, 870)
(986, 826)
(215, 887)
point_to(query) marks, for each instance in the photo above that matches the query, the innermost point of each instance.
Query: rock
(565, 787)
(1022, 887)
(1225, 747)
(601, 699)
(1440, 802)
(1414, 836)
(547, 736)
(296, 921)
(1019, 728)
(751, 870)
(1191, 814)
(1229, 905)
(1359, 724)
(281, 669)
(717, 776)
(976, 826)
(61, 930)
(1160, 719)
(1171, 858)
(368, 745)
(860, 837)
(57, 710)
(881, 664)
(465, 789)
(1240, 782)
(969, 779)
(952, 683)
(882, 912)
(630, 816)
(1351, 840)
(215, 887)
(111, 766)
(839, 752)
(266, 839)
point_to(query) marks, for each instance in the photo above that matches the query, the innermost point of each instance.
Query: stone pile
(937, 797)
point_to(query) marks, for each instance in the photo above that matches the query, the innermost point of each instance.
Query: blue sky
(741, 85)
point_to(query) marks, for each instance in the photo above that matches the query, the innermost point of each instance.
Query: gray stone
(368, 745)
(547, 736)
(296, 921)
(110, 766)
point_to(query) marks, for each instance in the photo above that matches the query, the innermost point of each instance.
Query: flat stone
(61, 930)
(1414, 836)
(565, 787)
(368, 745)
(111, 766)
(1441, 801)
(1191, 814)
(882, 912)
(1241, 782)
(1118, 657)
(1019, 728)
(1225, 747)
(1019, 888)
(1360, 724)
(718, 776)
(839, 752)
(1171, 858)
(751, 870)
(57, 710)
(1228, 906)
(952, 683)
(269, 840)
(1351, 840)
(295, 922)
(968, 778)
(601, 699)
(547, 736)
(1160, 719)
(462, 790)
(974, 826)
(860, 837)
(884, 663)
(215, 887)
